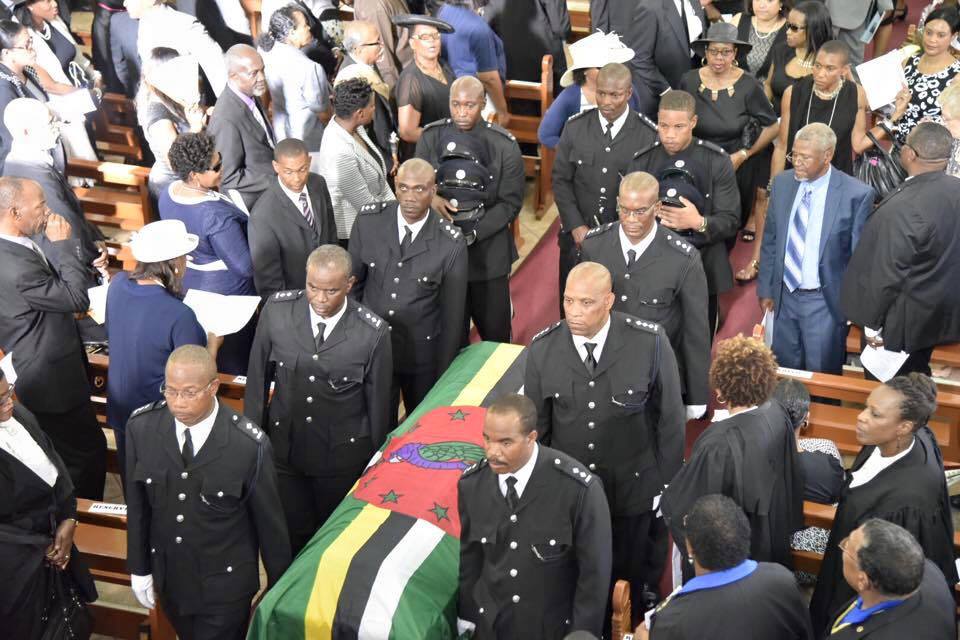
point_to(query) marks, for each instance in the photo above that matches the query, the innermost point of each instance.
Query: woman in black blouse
(808, 27)
(763, 24)
(732, 110)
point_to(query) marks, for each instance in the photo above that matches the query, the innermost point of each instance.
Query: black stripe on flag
(510, 381)
(362, 573)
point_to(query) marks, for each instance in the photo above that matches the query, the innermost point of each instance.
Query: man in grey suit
(241, 128)
(814, 220)
(855, 22)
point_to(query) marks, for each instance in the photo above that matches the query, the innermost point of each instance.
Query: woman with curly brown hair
(750, 455)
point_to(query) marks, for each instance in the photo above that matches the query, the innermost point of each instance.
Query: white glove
(695, 411)
(465, 627)
(143, 589)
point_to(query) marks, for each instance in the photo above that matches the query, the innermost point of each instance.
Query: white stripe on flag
(395, 571)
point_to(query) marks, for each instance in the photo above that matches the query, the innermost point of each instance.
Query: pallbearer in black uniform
(491, 247)
(595, 149)
(202, 504)
(608, 393)
(699, 187)
(330, 360)
(410, 268)
(658, 277)
(535, 536)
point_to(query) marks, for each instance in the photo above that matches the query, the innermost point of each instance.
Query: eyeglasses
(798, 158)
(721, 53)
(7, 397)
(27, 47)
(186, 394)
(638, 213)
(920, 157)
(426, 37)
(372, 44)
(796, 27)
(217, 166)
(843, 545)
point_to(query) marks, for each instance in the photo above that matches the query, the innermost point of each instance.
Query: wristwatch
(703, 225)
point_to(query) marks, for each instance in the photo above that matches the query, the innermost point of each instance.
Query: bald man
(202, 504)
(485, 227)
(410, 266)
(607, 392)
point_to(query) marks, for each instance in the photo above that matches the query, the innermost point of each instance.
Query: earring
(736, 63)
(690, 560)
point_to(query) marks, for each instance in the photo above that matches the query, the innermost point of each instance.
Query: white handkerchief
(219, 314)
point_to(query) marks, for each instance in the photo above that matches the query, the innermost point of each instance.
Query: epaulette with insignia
(596, 231)
(647, 149)
(474, 468)
(159, 404)
(247, 428)
(712, 146)
(375, 207)
(287, 296)
(647, 121)
(437, 123)
(677, 243)
(573, 469)
(643, 325)
(369, 317)
(547, 330)
(452, 230)
(581, 114)
(501, 131)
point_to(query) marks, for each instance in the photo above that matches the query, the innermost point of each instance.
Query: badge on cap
(461, 174)
(451, 146)
(672, 193)
(679, 164)
(454, 202)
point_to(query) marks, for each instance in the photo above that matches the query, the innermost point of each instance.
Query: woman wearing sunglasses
(808, 26)
(221, 262)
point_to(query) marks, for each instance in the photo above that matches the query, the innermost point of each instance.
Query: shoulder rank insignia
(369, 317)
(678, 244)
(581, 114)
(647, 149)
(710, 145)
(159, 404)
(570, 468)
(501, 131)
(374, 207)
(647, 121)
(596, 231)
(474, 468)
(247, 428)
(643, 325)
(547, 330)
(287, 296)
(451, 230)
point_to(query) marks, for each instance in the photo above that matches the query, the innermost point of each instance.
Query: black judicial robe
(912, 493)
(752, 458)
(764, 604)
(926, 615)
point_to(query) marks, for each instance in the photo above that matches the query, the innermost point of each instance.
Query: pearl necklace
(833, 94)
(46, 33)
(762, 37)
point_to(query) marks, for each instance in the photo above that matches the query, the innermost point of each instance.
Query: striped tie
(793, 261)
(305, 209)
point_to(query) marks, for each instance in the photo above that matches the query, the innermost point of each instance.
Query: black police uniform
(330, 406)
(199, 529)
(421, 293)
(491, 247)
(665, 284)
(625, 421)
(712, 170)
(543, 569)
(586, 175)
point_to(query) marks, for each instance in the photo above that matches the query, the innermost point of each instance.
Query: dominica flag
(385, 565)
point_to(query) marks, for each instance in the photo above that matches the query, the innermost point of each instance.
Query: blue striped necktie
(793, 260)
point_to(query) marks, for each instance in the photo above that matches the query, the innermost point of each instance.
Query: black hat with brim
(411, 20)
(722, 32)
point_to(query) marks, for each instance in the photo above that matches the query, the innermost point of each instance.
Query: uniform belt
(218, 265)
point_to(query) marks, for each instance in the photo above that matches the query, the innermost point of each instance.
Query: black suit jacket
(37, 325)
(244, 146)
(280, 238)
(656, 33)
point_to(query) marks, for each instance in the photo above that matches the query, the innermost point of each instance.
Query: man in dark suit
(658, 31)
(410, 267)
(608, 393)
(535, 536)
(241, 128)
(37, 326)
(202, 504)
(331, 361)
(814, 219)
(293, 217)
(900, 285)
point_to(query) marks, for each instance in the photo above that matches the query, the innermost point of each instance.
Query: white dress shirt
(694, 25)
(415, 227)
(522, 474)
(295, 196)
(874, 465)
(598, 339)
(17, 441)
(198, 432)
(330, 322)
(640, 247)
(617, 124)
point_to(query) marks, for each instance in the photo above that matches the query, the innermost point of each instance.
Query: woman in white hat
(580, 82)
(146, 321)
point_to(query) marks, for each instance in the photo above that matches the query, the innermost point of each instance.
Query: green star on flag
(439, 512)
(390, 496)
(458, 415)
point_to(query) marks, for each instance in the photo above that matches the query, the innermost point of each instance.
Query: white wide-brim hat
(596, 50)
(161, 241)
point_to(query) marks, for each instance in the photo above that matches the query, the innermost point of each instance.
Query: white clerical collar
(522, 474)
(198, 432)
(330, 322)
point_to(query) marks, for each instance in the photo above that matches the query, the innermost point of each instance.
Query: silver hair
(235, 54)
(819, 134)
(353, 33)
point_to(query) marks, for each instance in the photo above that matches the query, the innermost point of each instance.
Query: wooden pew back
(120, 196)
(947, 354)
(524, 128)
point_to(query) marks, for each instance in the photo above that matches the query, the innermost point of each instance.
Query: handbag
(65, 615)
(879, 168)
(751, 133)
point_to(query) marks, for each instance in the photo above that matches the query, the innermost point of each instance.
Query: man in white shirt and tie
(535, 542)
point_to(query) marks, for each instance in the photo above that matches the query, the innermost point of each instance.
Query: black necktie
(631, 257)
(187, 451)
(321, 327)
(590, 361)
(608, 133)
(407, 240)
(512, 498)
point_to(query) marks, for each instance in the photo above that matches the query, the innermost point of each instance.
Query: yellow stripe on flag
(332, 571)
(488, 375)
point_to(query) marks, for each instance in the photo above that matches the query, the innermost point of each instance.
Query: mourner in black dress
(897, 476)
(535, 537)
(900, 594)
(750, 456)
(37, 521)
(732, 597)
